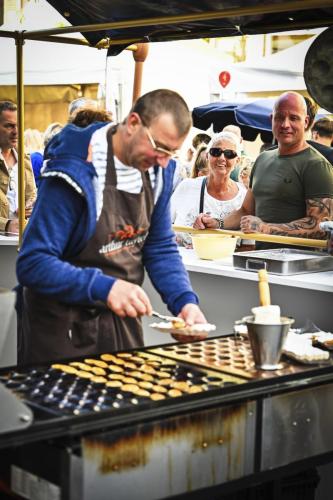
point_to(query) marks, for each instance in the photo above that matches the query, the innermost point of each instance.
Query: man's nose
(286, 122)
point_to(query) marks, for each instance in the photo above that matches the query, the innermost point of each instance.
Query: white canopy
(277, 72)
(53, 63)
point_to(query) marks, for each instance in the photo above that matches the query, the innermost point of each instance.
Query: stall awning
(137, 21)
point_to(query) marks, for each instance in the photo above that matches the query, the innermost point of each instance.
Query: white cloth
(128, 178)
(185, 204)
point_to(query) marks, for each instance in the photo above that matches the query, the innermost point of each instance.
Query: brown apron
(55, 330)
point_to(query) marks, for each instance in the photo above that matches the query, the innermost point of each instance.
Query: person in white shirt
(215, 194)
(9, 171)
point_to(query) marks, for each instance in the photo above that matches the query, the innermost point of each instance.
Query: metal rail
(271, 238)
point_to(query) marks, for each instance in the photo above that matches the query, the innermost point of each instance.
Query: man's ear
(133, 120)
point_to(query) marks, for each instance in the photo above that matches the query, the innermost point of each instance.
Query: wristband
(221, 223)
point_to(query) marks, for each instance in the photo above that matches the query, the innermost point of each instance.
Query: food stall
(164, 421)
(170, 420)
(176, 420)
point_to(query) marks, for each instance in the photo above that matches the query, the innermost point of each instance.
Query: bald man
(291, 187)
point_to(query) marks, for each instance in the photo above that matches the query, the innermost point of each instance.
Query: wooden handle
(264, 294)
(271, 238)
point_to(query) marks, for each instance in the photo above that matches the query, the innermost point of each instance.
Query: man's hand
(13, 226)
(28, 208)
(251, 224)
(205, 221)
(191, 314)
(127, 299)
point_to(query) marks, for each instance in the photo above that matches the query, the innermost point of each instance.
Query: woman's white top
(185, 203)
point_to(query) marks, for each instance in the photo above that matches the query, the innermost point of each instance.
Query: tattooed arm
(317, 210)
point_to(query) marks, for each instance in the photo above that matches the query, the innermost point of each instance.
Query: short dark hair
(160, 101)
(199, 139)
(85, 116)
(324, 127)
(7, 106)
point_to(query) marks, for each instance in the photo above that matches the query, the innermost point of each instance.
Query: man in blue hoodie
(102, 218)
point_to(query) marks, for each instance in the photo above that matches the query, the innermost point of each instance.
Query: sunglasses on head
(229, 154)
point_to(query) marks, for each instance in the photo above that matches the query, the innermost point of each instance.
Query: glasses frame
(229, 154)
(167, 152)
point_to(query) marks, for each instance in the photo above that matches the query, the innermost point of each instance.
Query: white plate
(197, 329)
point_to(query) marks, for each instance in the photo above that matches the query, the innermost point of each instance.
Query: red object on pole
(224, 78)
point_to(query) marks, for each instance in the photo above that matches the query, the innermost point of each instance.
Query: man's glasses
(159, 149)
(229, 154)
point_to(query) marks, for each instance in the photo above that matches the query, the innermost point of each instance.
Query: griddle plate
(58, 393)
(229, 354)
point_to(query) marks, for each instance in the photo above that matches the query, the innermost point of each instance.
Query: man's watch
(220, 223)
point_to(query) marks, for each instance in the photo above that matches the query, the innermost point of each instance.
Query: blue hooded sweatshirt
(64, 218)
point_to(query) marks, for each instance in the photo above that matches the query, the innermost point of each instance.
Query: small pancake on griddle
(156, 396)
(65, 368)
(114, 383)
(174, 393)
(96, 362)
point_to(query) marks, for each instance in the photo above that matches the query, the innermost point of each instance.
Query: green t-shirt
(282, 184)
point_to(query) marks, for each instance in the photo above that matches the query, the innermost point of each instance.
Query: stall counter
(8, 255)
(227, 294)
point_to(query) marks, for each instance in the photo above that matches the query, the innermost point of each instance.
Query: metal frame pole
(19, 41)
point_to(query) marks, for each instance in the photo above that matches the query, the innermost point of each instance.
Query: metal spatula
(167, 318)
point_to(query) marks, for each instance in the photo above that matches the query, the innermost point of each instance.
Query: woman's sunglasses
(229, 154)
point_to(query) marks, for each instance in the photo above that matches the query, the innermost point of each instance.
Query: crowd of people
(108, 194)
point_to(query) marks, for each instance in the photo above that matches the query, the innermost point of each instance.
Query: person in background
(323, 148)
(79, 103)
(34, 147)
(217, 194)
(84, 117)
(197, 140)
(9, 171)
(200, 164)
(183, 170)
(267, 145)
(322, 131)
(291, 187)
(101, 219)
(37, 158)
(244, 175)
(51, 131)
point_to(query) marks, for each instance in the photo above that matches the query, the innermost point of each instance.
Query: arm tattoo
(317, 210)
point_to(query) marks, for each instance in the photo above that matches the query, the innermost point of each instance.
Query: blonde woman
(214, 195)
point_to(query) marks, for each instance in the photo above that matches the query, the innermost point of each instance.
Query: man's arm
(317, 210)
(56, 231)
